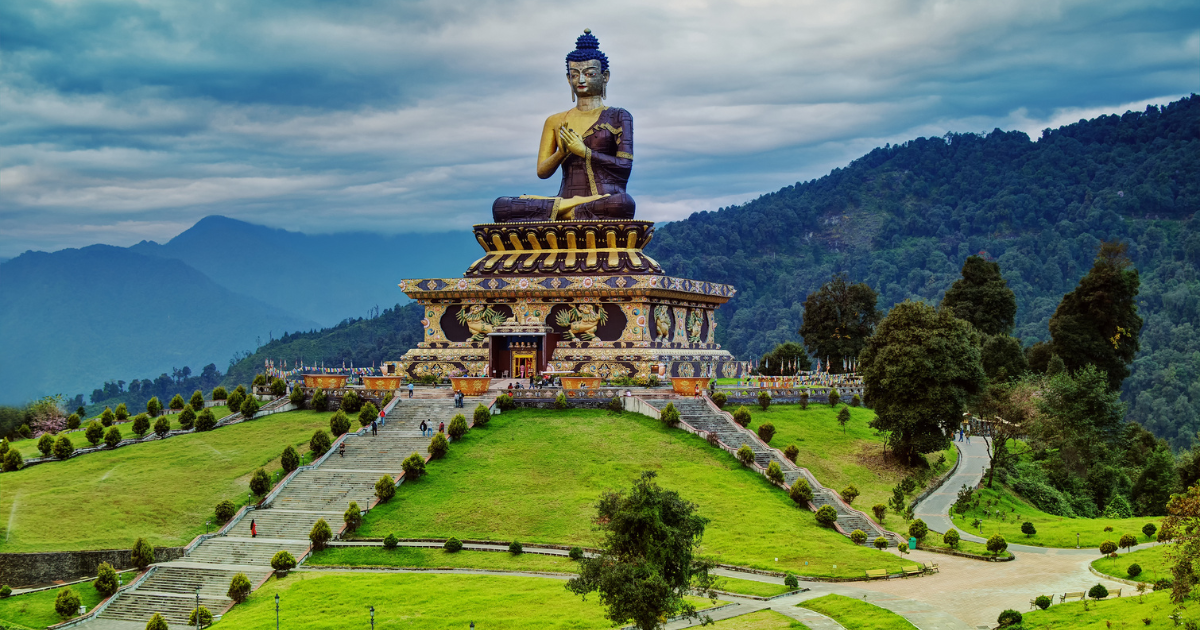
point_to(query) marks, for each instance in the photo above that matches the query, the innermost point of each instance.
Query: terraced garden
(1152, 561)
(36, 610)
(1150, 611)
(28, 448)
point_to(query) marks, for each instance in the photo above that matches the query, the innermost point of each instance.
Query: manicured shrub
(260, 482)
(827, 516)
(297, 397)
(996, 544)
(855, 401)
(63, 448)
(560, 401)
(387, 398)
(1043, 602)
(278, 387)
(196, 401)
(249, 407)
(5, 590)
(1134, 570)
(351, 403)
(615, 406)
(319, 443)
(12, 461)
(390, 541)
(1098, 592)
(712, 438)
(201, 616)
(260, 380)
(121, 413)
(73, 421)
(719, 399)
(413, 467)
(106, 580)
(141, 424)
(576, 553)
(320, 401)
(1148, 529)
(505, 402)
(187, 419)
(239, 588)
(177, 403)
(25, 431)
(804, 399)
(745, 455)
(453, 545)
(669, 415)
(800, 492)
(1028, 529)
(206, 421)
(764, 399)
(843, 418)
(1127, 542)
(67, 603)
(1108, 547)
(369, 413)
(283, 561)
(858, 536)
(482, 416)
(766, 431)
(918, 529)
(790, 581)
(142, 555)
(112, 437)
(154, 407)
(515, 548)
(352, 517)
(881, 543)
(45, 444)
(457, 427)
(339, 423)
(834, 397)
(162, 426)
(742, 416)
(385, 488)
(320, 534)
(4, 446)
(1009, 617)
(290, 460)
(774, 472)
(219, 393)
(902, 548)
(225, 511)
(791, 452)
(240, 389)
(107, 417)
(439, 446)
(880, 511)
(951, 538)
(234, 401)
(156, 623)
(849, 494)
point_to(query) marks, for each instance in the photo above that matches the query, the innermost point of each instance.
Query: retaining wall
(31, 569)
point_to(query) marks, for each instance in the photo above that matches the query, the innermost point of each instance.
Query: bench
(1077, 595)
(873, 574)
(932, 566)
(912, 569)
(1115, 593)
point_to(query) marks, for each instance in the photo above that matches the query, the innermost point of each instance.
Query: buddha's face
(586, 78)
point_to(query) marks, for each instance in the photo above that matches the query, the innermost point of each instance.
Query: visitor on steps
(424, 427)
(342, 449)
(374, 428)
(253, 529)
(441, 427)
(410, 390)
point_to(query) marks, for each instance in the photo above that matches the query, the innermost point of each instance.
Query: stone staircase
(284, 523)
(703, 416)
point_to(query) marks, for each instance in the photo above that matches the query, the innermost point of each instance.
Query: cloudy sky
(128, 120)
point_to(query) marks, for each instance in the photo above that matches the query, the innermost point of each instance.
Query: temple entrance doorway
(517, 356)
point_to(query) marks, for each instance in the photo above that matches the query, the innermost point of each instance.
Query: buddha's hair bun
(587, 47)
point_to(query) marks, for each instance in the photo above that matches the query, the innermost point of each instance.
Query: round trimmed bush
(800, 492)
(112, 437)
(297, 397)
(219, 393)
(880, 511)
(283, 561)
(156, 623)
(1148, 529)
(225, 511)
(951, 538)
(290, 460)
(320, 442)
(439, 446)
(339, 423)
(320, 401)
(73, 421)
(154, 407)
(197, 401)
(453, 545)
(141, 424)
(766, 431)
(742, 415)
(1098, 592)
(482, 416)
(881, 543)
(94, 432)
(351, 403)
(320, 534)
(206, 421)
(177, 403)
(63, 448)
(855, 401)
(834, 397)
(385, 488)
(505, 402)
(260, 380)
(858, 536)
(260, 482)
(5, 590)
(142, 555)
(278, 387)
(457, 427)
(996, 544)
(25, 432)
(1134, 570)
(745, 455)
(239, 588)
(764, 399)
(413, 467)
(791, 452)
(790, 581)
(1127, 542)
(719, 399)
(1043, 601)
(67, 603)
(515, 548)
(1028, 529)
(235, 399)
(106, 580)
(367, 413)
(849, 494)
(918, 529)
(12, 461)
(107, 417)
(46, 444)
(827, 516)
(201, 616)
(249, 407)
(774, 472)
(162, 426)
(669, 415)
(187, 419)
(121, 413)
(390, 541)
(1108, 547)
(576, 553)
(1009, 617)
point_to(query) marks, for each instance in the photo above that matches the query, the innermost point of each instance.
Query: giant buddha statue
(593, 143)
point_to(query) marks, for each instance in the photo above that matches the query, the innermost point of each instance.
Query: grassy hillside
(535, 475)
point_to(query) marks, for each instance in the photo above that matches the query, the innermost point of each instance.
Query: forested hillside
(904, 218)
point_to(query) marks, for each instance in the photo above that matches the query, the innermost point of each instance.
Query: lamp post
(276, 611)
(1076, 540)
(372, 618)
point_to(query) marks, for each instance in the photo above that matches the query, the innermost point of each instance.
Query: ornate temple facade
(568, 297)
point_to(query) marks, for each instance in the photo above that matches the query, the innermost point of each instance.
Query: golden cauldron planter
(384, 383)
(325, 381)
(471, 385)
(580, 382)
(687, 386)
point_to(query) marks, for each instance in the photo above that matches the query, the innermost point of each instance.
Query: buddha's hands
(569, 140)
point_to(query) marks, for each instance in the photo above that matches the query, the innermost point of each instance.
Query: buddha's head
(587, 67)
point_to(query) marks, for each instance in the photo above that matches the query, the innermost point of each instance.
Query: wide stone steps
(282, 523)
(325, 489)
(258, 551)
(140, 605)
(181, 580)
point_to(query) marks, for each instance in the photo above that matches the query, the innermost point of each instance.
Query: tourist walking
(441, 427)
(424, 427)
(253, 529)
(374, 428)
(410, 390)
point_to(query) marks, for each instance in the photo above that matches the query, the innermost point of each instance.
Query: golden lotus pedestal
(575, 297)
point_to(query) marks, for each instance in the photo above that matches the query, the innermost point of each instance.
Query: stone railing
(788, 395)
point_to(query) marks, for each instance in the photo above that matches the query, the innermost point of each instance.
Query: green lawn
(1052, 531)
(36, 610)
(425, 558)
(28, 448)
(163, 491)
(1126, 613)
(857, 614)
(1152, 560)
(751, 587)
(312, 600)
(535, 475)
(835, 457)
(761, 620)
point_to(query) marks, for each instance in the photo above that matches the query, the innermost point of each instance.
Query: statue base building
(567, 297)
